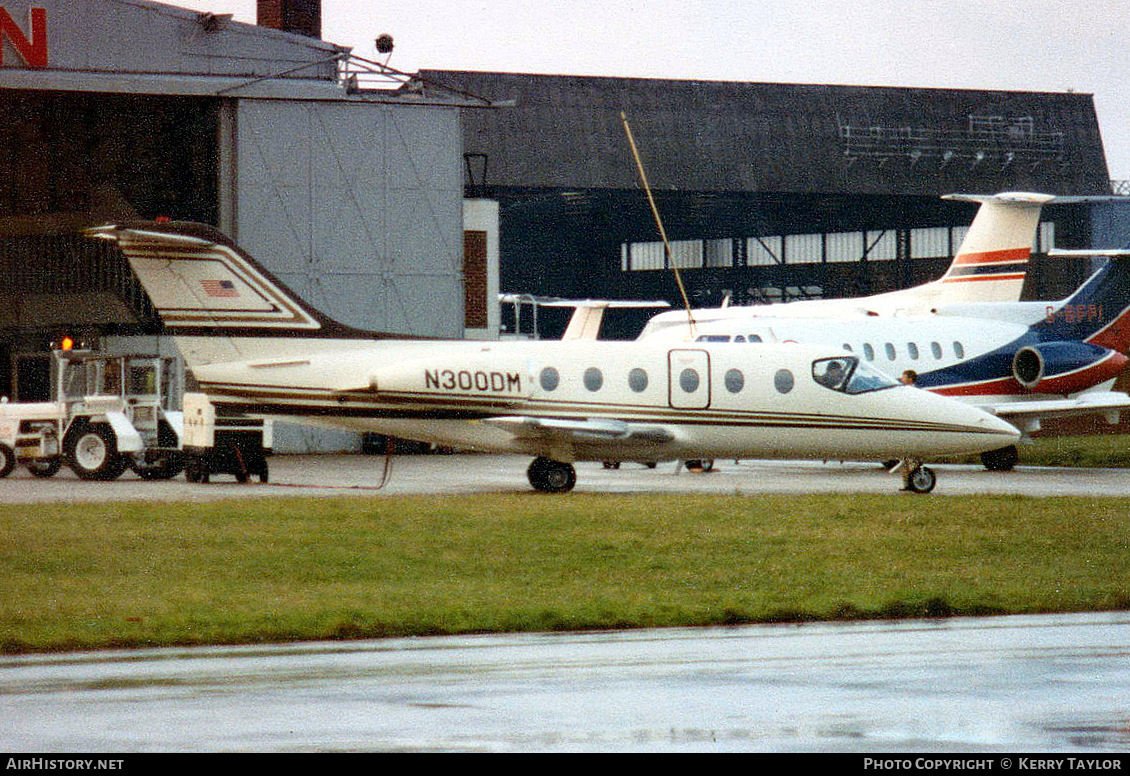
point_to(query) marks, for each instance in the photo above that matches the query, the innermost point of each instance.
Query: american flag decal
(219, 288)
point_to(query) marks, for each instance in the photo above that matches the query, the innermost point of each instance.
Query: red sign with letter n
(32, 45)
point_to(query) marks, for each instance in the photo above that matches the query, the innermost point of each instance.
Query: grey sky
(1028, 45)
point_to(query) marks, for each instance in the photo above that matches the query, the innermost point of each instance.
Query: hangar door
(356, 206)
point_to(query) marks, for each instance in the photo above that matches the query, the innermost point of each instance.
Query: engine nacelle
(1065, 367)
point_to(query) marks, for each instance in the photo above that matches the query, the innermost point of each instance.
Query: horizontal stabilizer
(1086, 253)
(1027, 198)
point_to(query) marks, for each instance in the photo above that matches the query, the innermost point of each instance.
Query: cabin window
(734, 381)
(549, 379)
(783, 381)
(689, 380)
(890, 351)
(936, 349)
(958, 350)
(637, 380)
(593, 378)
(868, 351)
(912, 349)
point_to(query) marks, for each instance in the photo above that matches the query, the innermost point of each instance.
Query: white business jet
(255, 347)
(989, 266)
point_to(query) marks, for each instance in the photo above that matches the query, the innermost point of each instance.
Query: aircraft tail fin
(205, 288)
(1099, 311)
(992, 260)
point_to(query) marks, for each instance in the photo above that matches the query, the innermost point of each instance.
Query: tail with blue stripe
(1099, 311)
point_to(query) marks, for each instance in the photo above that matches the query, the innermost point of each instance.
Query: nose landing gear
(917, 478)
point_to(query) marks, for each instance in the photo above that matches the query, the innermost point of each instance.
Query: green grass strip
(140, 575)
(1106, 451)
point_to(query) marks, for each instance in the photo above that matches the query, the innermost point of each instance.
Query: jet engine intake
(1050, 367)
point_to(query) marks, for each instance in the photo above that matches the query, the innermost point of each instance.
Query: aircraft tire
(551, 476)
(7, 460)
(1001, 460)
(196, 469)
(45, 467)
(92, 453)
(168, 466)
(921, 480)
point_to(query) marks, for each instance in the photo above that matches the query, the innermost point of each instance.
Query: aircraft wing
(582, 431)
(1027, 415)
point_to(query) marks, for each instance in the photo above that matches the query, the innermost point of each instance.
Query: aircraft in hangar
(255, 347)
(1022, 361)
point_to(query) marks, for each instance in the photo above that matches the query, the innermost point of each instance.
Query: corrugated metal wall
(358, 207)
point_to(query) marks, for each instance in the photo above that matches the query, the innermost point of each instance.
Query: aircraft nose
(1001, 430)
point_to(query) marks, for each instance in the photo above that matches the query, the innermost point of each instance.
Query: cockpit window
(713, 338)
(847, 374)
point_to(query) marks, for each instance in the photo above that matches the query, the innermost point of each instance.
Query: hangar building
(119, 109)
(767, 191)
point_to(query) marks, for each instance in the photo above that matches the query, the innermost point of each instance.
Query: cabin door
(688, 374)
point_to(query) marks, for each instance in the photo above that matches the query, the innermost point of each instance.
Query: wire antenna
(658, 221)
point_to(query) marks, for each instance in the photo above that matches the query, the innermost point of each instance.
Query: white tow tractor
(110, 413)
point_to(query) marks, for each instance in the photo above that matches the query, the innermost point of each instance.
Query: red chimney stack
(301, 16)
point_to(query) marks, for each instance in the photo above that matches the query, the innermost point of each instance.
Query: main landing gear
(551, 476)
(1001, 460)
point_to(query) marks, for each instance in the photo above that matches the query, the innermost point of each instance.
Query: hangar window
(685, 254)
(929, 243)
(804, 248)
(764, 251)
(844, 246)
(593, 378)
(718, 253)
(1045, 237)
(882, 245)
